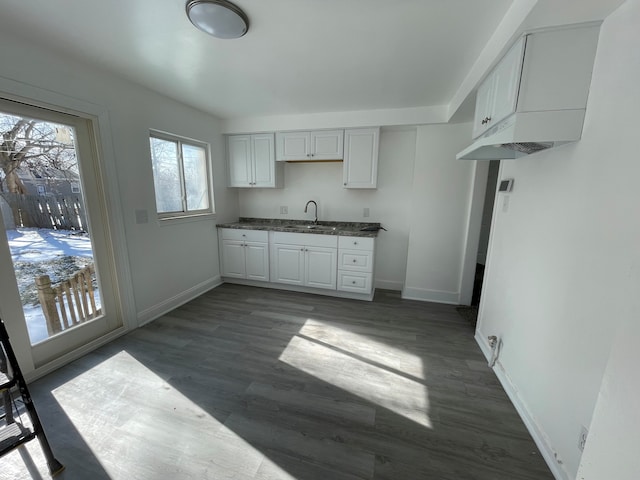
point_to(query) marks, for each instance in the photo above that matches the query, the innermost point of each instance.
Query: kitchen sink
(323, 228)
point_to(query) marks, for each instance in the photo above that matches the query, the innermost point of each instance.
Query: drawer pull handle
(355, 243)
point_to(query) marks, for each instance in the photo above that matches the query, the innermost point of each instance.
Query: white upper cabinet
(548, 70)
(497, 95)
(310, 145)
(360, 168)
(252, 161)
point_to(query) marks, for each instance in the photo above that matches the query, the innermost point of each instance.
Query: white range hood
(525, 133)
(536, 94)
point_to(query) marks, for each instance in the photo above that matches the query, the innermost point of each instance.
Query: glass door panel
(54, 225)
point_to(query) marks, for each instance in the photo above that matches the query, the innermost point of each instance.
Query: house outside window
(42, 190)
(181, 176)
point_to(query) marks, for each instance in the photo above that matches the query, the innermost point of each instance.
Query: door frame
(106, 179)
(474, 223)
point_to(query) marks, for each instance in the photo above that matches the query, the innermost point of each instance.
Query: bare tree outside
(45, 223)
(33, 144)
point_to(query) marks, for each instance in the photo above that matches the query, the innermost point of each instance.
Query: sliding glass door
(54, 231)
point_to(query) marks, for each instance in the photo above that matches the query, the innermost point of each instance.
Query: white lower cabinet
(301, 260)
(305, 260)
(245, 254)
(355, 264)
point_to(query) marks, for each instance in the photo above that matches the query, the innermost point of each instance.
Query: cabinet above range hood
(535, 98)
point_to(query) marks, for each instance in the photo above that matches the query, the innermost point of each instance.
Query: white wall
(438, 207)
(563, 261)
(167, 263)
(322, 182)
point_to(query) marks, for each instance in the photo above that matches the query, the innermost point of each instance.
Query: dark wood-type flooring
(249, 383)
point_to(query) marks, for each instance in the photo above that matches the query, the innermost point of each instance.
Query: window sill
(179, 219)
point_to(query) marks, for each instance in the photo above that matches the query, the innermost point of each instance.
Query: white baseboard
(436, 296)
(536, 431)
(149, 314)
(389, 285)
(295, 288)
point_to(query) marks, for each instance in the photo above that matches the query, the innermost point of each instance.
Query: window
(180, 176)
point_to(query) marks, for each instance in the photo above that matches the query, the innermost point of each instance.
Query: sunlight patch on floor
(135, 420)
(374, 371)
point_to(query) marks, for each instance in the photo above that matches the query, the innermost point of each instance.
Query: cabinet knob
(345, 184)
(354, 282)
(355, 243)
(354, 260)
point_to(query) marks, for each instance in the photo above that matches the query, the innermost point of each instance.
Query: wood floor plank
(245, 383)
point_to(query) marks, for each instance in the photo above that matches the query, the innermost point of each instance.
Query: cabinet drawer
(356, 243)
(246, 235)
(356, 260)
(354, 282)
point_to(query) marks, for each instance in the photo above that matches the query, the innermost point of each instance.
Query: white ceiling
(418, 59)
(299, 56)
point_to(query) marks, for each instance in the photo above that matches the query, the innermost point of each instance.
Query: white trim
(73, 355)
(295, 288)
(534, 428)
(149, 314)
(424, 295)
(333, 120)
(473, 220)
(389, 285)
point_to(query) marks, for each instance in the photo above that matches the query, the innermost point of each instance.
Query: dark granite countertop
(350, 229)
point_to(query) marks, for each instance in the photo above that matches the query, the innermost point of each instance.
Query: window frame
(180, 141)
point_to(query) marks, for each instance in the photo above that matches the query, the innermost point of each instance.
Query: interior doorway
(55, 235)
(485, 230)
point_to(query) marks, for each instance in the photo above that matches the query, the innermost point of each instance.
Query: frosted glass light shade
(219, 18)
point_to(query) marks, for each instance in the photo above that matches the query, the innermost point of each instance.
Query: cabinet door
(506, 83)
(288, 264)
(264, 160)
(327, 145)
(321, 267)
(257, 261)
(361, 158)
(239, 156)
(293, 146)
(233, 261)
(484, 104)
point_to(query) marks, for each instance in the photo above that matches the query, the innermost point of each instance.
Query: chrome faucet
(315, 221)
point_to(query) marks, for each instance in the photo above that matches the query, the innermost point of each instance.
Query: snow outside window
(180, 176)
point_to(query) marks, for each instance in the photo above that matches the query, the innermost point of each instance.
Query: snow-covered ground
(39, 251)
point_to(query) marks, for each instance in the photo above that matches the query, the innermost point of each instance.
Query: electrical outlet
(284, 210)
(365, 212)
(582, 439)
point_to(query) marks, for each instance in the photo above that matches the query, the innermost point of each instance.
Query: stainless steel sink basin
(323, 228)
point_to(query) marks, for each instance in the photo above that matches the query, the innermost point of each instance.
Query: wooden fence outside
(59, 212)
(69, 303)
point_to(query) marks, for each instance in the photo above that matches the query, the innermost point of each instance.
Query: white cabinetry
(245, 254)
(355, 264)
(310, 145)
(252, 161)
(498, 94)
(545, 71)
(360, 168)
(304, 260)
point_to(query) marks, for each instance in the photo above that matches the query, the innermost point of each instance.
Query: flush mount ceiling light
(219, 18)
